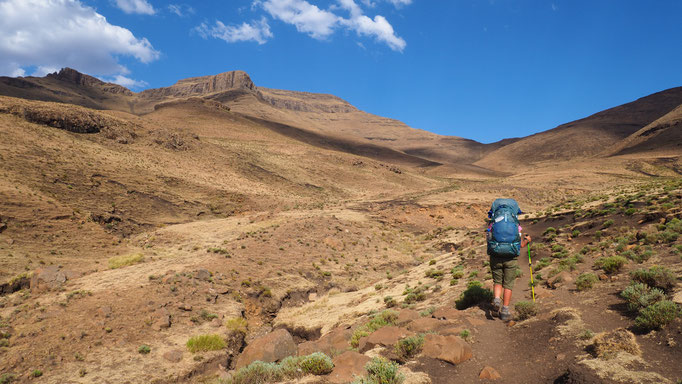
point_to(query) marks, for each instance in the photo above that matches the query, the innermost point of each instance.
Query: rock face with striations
(204, 85)
(70, 75)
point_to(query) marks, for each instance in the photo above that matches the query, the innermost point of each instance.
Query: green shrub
(37, 373)
(125, 260)
(457, 272)
(204, 343)
(465, 334)
(434, 274)
(389, 301)
(668, 236)
(639, 296)
(256, 373)
(316, 363)
(473, 295)
(585, 281)
(548, 231)
(380, 320)
(607, 223)
(525, 310)
(575, 233)
(415, 294)
(144, 349)
(7, 378)
(657, 315)
(656, 276)
(381, 371)
(611, 264)
(409, 346)
(542, 263)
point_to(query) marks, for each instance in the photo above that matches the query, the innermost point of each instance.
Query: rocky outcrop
(346, 366)
(50, 278)
(489, 373)
(270, 348)
(72, 76)
(305, 101)
(386, 336)
(333, 342)
(204, 85)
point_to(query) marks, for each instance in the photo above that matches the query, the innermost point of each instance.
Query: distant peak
(71, 75)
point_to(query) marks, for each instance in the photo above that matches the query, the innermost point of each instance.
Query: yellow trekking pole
(532, 284)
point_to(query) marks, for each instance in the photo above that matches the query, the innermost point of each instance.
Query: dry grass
(608, 344)
(125, 260)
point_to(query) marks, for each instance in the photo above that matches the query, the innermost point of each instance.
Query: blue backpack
(503, 233)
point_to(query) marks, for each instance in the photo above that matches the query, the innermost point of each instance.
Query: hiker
(505, 241)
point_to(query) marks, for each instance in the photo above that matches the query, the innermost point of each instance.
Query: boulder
(270, 348)
(202, 274)
(451, 349)
(161, 319)
(174, 355)
(489, 373)
(348, 365)
(384, 337)
(407, 315)
(677, 297)
(49, 278)
(330, 344)
(427, 324)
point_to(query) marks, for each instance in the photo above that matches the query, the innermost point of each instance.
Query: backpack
(503, 232)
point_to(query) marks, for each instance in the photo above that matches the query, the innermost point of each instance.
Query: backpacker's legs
(498, 292)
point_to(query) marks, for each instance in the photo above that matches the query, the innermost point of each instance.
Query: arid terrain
(187, 233)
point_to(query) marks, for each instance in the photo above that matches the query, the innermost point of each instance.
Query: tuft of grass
(639, 296)
(611, 264)
(292, 367)
(237, 325)
(381, 371)
(457, 272)
(525, 310)
(37, 373)
(379, 320)
(144, 349)
(434, 274)
(203, 343)
(7, 378)
(409, 347)
(465, 334)
(657, 315)
(656, 276)
(585, 281)
(607, 223)
(473, 295)
(125, 260)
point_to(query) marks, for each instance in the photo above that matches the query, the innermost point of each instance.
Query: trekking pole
(532, 284)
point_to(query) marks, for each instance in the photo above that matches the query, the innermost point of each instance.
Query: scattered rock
(677, 297)
(407, 315)
(346, 366)
(330, 343)
(270, 348)
(384, 336)
(603, 277)
(185, 307)
(203, 274)
(559, 280)
(161, 319)
(447, 314)
(48, 278)
(104, 311)
(174, 355)
(489, 373)
(451, 349)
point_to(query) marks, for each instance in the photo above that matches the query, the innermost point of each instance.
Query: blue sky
(480, 69)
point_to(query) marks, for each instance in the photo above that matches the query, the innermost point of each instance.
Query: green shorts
(503, 270)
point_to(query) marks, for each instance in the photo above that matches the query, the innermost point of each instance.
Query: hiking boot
(497, 304)
(505, 315)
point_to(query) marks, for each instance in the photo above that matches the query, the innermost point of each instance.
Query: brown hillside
(586, 137)
(663, 136)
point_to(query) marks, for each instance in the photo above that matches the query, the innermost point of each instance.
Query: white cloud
(307, 18)
(135, 6)
(400, 3)
(50, 34)
(258, 31)
(125, 81)
(181, 10)
(320, 24)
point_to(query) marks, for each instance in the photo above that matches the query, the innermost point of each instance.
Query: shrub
(611, 264)
(465, 334)
(204, 343)
(237, 325)
(257, 372)
(390, 301)
(657, 315)
(656, 276)
(409, 346)
(125, 260)
(575, 233)
(457, 272)
(607, 223)
(415, 294)
(542, 263)
(548, 231)
(381, 371)
(144, 349)
(434, 274)
(474, 294)
(639, 296)
(7, 378)
(525, 310)
(380, 320)
(37, 373)
(316, 363)
(585, 281)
